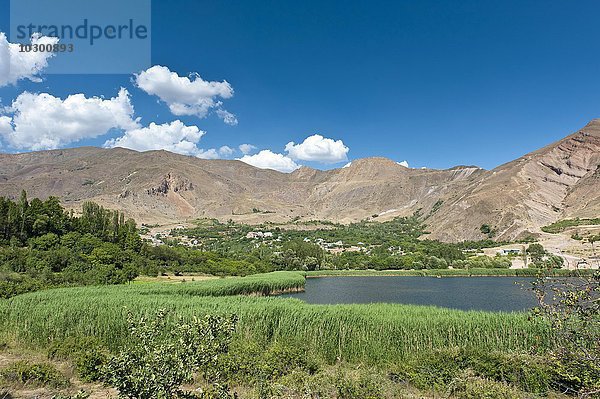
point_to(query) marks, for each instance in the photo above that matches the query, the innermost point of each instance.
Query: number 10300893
(46, 48)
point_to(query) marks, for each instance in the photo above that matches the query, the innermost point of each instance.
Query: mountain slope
(558, 181)
(532, 191)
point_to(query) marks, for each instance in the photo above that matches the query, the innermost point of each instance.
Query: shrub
(86, 353)
(299, 383)
(90, 364)
(281, 358)
(362, 387)
(68, 348)
(572, 307)
(36, 374)
(437, 369)
(162, 355)
(470, 386)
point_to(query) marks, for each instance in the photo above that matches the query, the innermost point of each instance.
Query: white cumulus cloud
(226, 151)
(247, 148)
(186, 95)
(208, 154)
(5, 125)
(318, 148)
(174, 137)
(403, 163)
(266, 159)
(227, 117)
(42, 121)
(16, 65)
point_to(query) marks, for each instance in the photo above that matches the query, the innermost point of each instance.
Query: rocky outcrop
(171, 182)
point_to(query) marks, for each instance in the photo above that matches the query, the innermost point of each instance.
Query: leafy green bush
(164, 354)
(36, 374)
(86, 353)
(68, 348)
(260, 364)
(437, 369)
(470, 386)
(299, 383)
(281, 358)
(89, 364)
(362, 387)
(572, 308)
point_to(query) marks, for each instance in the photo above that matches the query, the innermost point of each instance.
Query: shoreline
(293, 290)
(439, 273)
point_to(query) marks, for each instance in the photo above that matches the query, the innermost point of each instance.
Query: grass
(256, 284)
(451, 272)
(375, 333)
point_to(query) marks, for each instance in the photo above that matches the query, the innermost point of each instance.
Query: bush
(299, 383)
(87, 354)
(36, 374)
(162, 355)
(69, 348)
(280, 359)
(572, 308)
(90, 364)
(470, 386)
(362, 387)
(437, 369)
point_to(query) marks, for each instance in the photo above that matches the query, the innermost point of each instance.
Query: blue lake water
(467, 293)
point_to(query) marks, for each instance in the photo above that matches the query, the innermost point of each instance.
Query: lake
(466, 293)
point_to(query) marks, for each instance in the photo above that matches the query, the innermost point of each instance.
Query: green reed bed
(256, 284)
(375, 333)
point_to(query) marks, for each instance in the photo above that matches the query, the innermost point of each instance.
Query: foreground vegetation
(364, 333)
(283, 347)
(226, 335)
(304, 342)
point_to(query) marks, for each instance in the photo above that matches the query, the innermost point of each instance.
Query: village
(516, 253)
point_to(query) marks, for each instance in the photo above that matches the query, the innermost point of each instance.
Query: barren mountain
(515, 199)
(537, 189)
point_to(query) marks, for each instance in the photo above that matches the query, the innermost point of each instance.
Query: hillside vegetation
(562, 225)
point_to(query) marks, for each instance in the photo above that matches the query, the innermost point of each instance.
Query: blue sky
(436, 83)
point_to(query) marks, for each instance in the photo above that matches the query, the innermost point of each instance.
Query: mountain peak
(558, 181)
(593, 123)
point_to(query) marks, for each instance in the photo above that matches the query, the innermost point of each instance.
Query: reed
(375, 333)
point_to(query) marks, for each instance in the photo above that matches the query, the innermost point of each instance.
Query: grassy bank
(256, 284)
(452, 272)
(375, 334)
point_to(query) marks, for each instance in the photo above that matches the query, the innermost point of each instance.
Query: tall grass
(259, 284)
(375, 333)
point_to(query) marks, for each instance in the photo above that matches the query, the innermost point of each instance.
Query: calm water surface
(467, 293)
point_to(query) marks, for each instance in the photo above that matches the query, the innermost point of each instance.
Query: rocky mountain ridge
(558, 181)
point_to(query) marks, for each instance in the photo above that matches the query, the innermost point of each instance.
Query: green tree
(536, 252)
(593, 239)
